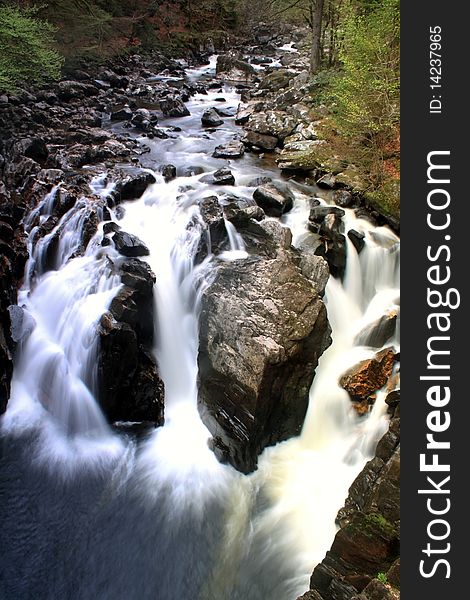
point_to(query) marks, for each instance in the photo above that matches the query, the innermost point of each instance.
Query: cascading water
(162, 518)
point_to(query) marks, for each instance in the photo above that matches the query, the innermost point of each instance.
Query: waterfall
(163, 518)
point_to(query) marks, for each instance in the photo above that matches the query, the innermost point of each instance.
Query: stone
(243, 113)
(256, 367)
(274, 123)
(123, 114)
(133, 186)
(378, 333)
(173, 106)
(22, 323)
(221, 177)
(357, 239)
(129, 245)
(343, 198)
(130, 388)
(168, 171)
(210, 118)
(68, 90)
(327, 181)
(266, 142)
(214, 235)
(369, 375)
(274, 198)
(234, 149)
(315, 268)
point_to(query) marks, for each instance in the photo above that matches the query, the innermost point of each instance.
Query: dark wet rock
(241, 216)
(254, 380)
(132, 187)
(221, 177)
(214, 235)
(357, 238)
(368, 376)
(234, 149)
(143, 120)
(274, 198)
(111, 227)
(173, 106)
(343, 198)
(123, 114)
(168, 171)
(327, 181)
(68, 90)
(129, 245)
(259, 140)
(130, 388)
(378, 333)
(210, 118)
(327, 222)
(320, 212)
(34, 148)
(257, 181)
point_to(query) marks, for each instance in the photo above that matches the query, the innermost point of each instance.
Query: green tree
(366, 94)
(26, 52)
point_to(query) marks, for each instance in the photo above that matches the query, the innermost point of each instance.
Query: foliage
(382, 577)
(366, 95)
(26, 52)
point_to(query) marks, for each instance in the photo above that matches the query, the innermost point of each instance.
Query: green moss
(378, 521)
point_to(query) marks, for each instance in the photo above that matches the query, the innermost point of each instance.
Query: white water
(278, 522)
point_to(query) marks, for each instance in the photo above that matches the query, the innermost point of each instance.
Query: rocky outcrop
(256, 368)
(130, 388)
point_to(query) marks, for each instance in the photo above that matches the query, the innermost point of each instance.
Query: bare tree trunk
(316, 13)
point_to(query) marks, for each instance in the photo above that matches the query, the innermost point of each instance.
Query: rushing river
(91, 513)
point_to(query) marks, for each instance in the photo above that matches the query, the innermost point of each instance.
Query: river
(93, 512)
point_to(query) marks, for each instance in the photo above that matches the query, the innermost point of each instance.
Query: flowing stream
(89, 512)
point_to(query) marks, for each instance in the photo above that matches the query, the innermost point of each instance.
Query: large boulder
(129, 245)
(210, 118)
(276, 123)
(274, 198)
(256, 367)
(132, 186)
(130, 388)
(173, 106)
